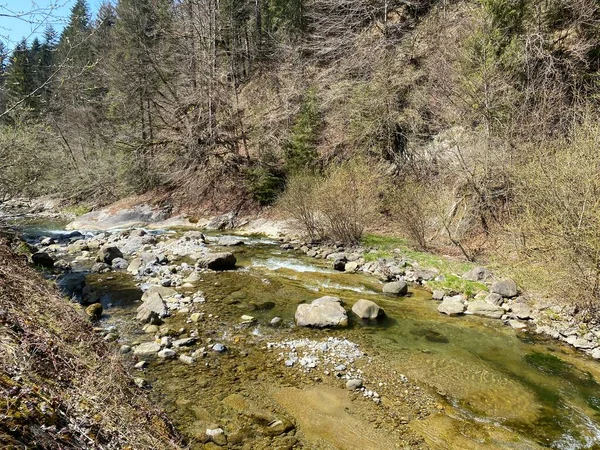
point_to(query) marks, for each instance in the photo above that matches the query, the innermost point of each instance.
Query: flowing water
(501, 388)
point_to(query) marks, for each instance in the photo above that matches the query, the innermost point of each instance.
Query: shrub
(410, 205)
(335, 206)
(559, 193)
(301, 148)
(264, 184)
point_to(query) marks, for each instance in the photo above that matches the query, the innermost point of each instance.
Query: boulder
(438, 294)
(134, 266)
(100, 268)
(164, 292)
(351, 266)
(217, 261)
(108, 253)
(517, 325)
(425, 274)
(494, 299)
(146, 349)
(230, 241)
(339, 264)
(521, 311)
(43, 259)
(477, 274)
(483, 308)
(119, 263)
(47, 241)
(62, 265)
(354, 384)
(396, 288)
(323, 312)
(367, 310)
(506, 288)
(222, 222)
(452, 306)
(94, 311)
(153, 307)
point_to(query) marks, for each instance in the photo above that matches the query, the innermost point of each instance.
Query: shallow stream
(498, 388)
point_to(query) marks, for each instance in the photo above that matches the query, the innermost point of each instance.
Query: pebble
(219, 348)
(141, 365)
(167, 353)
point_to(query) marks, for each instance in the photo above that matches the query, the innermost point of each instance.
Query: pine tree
(19, 78)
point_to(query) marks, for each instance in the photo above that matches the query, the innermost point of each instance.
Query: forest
(469, 127)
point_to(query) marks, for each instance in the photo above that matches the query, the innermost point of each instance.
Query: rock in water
(396, 288)
(119, 263)
(230, 241)
(452, 306)
(506, 288)
(94, 311)
(146, 349)
(108, 253)
(483, 308)
(217, 261)
(152, 309)
(43, 259)
(323, 312)
(367, 310)
(521, 311)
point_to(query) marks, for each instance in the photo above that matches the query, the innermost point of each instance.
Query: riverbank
(62, 386)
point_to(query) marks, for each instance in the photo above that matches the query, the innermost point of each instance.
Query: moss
(457, 284)
(77, 210)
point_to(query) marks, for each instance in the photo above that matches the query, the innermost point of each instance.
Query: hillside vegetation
(61, 386)
(465, 126)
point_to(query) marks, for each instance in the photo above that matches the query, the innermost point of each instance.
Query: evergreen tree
(19, 78)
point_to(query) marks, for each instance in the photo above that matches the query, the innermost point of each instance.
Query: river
(442, 382)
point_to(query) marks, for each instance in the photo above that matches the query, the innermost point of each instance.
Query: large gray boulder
(152, 309)
(367, 310)
(452, 306)
(483, 308)
(323, 312)
(506, 288)
(146, 349)
(217, 261)
(477, 274)
(396, 288)
(108, 253)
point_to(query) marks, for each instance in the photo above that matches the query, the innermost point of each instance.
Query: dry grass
(62, 386)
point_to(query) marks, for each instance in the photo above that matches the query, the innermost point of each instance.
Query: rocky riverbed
(209, 324)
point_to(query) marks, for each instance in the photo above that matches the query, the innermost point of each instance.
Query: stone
(477, 274)
(583, 344)
(140, 382)
(339, 264)
(595, 353)
(62, 265)
(164, 292)
(521, 311)
(108, 253)
(230, 241)
(146, 349)
(425, 274)
(47, 241)
(452, 306)
(186, 359)
(167, 353)
(42, 259)
(217, 261)
(94, 311)
(367, 310)
(141, 365)
(219, 348)
(351, 267)
(438, 294)
(119, 263)
(139, 232)
(195, 317)
(279, 427)
(246, 319)
(184, 342)
(217, 435)
(485, 309)
(88, 294)
(100, 268)
(494, 299)
(153, 304)
(396, 288)
(134, 266)
(354, 384)
(125, 349)
(517, 325)
(506, 288)
(323, 312)
(276, 321)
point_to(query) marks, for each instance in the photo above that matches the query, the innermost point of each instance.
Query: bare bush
(337, 206)
(559, 192)
(410, 204)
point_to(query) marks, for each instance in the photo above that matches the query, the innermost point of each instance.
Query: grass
(388, 247)
(77, 210)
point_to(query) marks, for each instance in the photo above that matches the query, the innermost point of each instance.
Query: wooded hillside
(475, 119)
